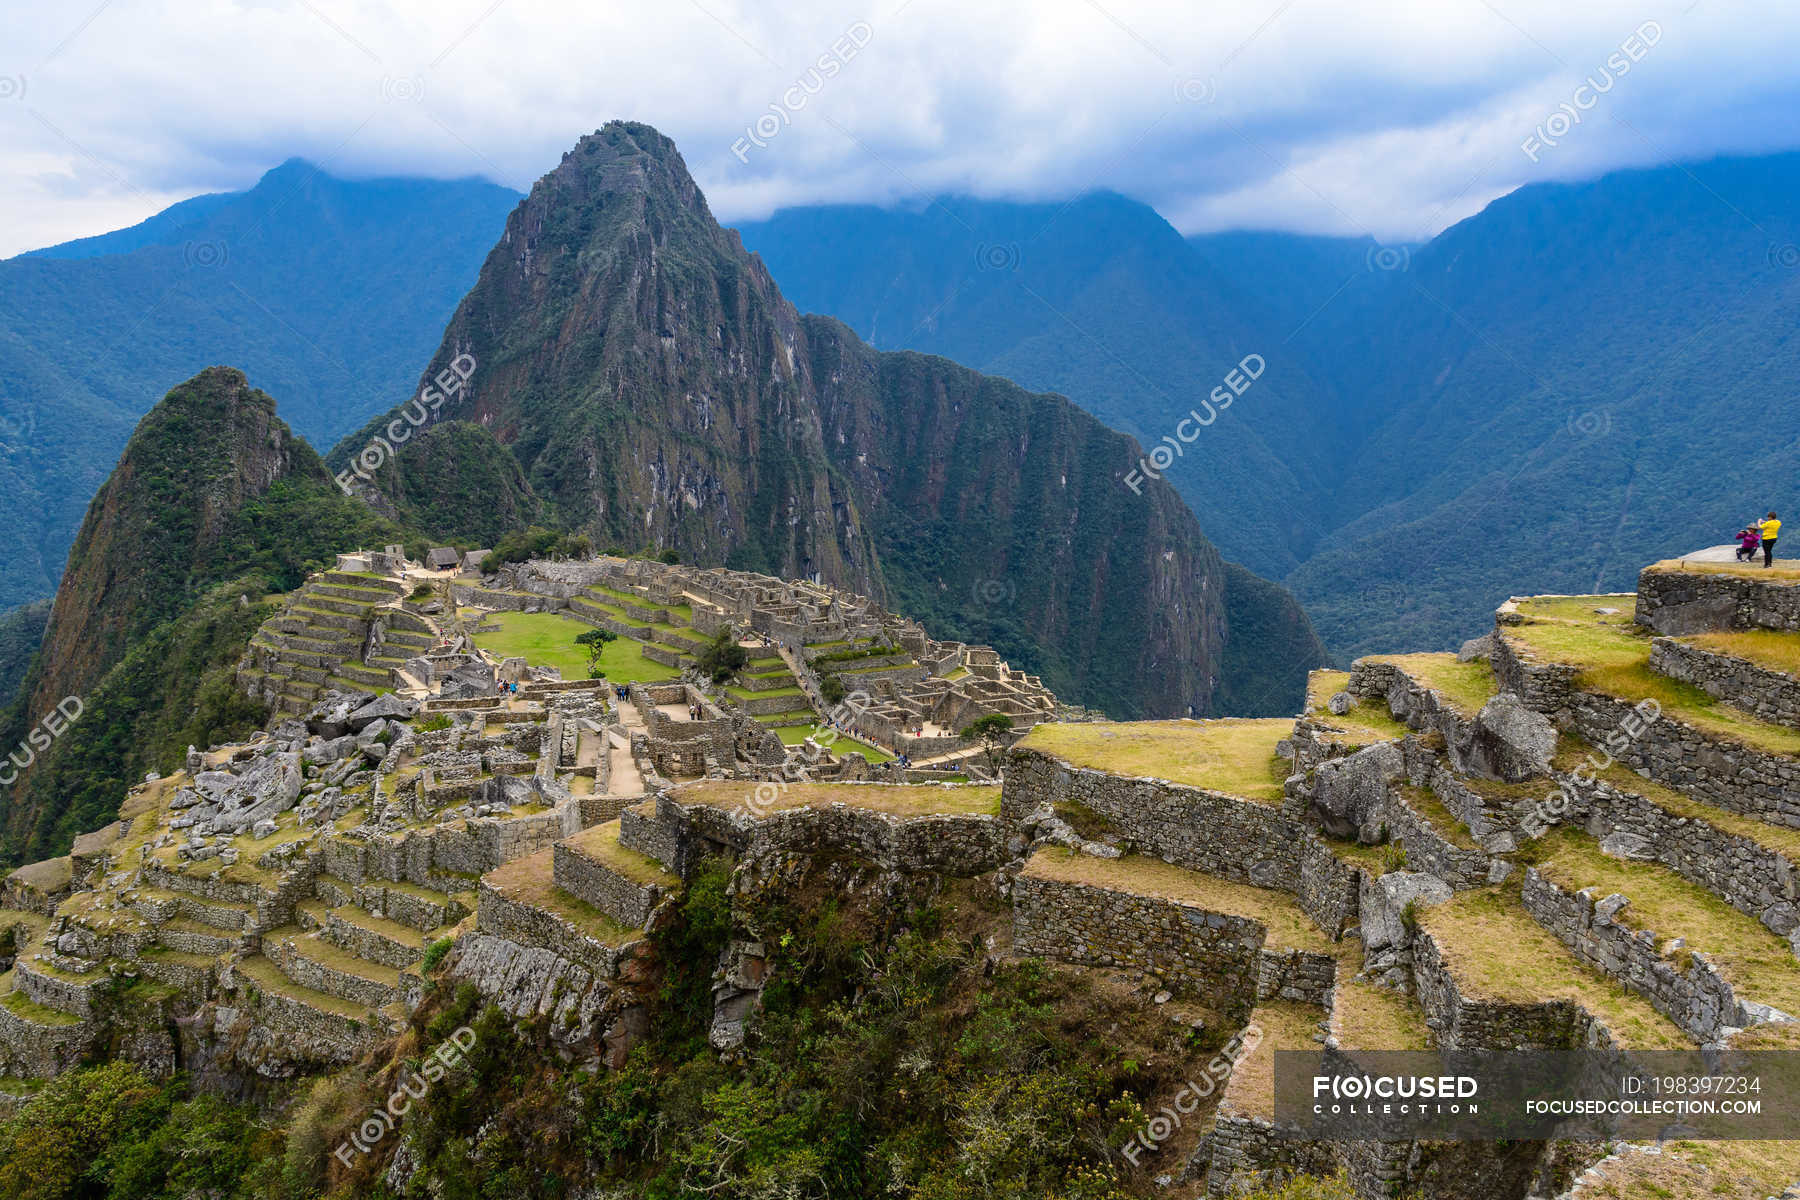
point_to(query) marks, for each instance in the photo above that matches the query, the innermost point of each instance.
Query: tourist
(1748, 538)
(1770, 529)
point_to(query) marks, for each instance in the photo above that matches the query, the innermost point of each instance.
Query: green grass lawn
(548, 640)
(1233, 755)
(793, 735)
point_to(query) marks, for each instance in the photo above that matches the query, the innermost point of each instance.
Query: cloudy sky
(1387, 117)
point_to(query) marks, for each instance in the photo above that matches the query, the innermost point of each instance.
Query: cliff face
(213, 505)
(646, 374)
(195, 459)
(655, 388)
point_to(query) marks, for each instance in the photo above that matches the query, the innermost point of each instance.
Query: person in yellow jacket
(1770, 529)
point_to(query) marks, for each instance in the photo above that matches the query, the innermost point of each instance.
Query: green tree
(723, 657)
(595, 640)
(991, 731)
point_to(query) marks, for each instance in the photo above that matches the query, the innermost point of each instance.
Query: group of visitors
(694, 712)
(1759, 534)
(507, 689)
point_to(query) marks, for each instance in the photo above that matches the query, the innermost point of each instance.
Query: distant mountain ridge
(1577, 379)
(329, 292)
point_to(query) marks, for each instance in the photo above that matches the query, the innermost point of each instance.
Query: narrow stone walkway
(626, 779)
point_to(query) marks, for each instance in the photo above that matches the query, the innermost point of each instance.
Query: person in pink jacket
(1748, 541)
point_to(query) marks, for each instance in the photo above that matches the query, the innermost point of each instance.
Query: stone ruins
(1580, 831)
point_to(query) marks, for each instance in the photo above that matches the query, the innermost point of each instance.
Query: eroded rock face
(330, 718)
(1349, 791)
(1474, 648)
(1506, 741)
(1385, 923)
(383, 708)
(1696, 616)
(265, 788)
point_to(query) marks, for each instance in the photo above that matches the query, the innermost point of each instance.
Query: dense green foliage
(892, 1056)
(112, 1133)
(535, 542)
(175, 688)
(20, 632)
(722, 657)
(330, 293)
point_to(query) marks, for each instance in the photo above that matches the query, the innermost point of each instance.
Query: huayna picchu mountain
(213, 505)
(656, 390)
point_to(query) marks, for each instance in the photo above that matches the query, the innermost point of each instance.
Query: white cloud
(1393, 118)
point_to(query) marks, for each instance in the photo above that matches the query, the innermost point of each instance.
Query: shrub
(433, 723)
(831, 687)
(434, 953)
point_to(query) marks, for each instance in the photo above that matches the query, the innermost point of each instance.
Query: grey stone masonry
(1734, 776)
(960, 844)
(1673, 601)
(1212, 957)
(1749, 876)
(1328, 887)
(1765, 694)
(1697, 999)
(587, 878)
(1465, 1023)
(1201, 830)
(30, 1049)
(528, 925)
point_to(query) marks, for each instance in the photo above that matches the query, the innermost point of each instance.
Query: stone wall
(1735, 777)
(1203, 831)
(1673, 601)
(1696, 999)
(1241, 1147)
(1762, 693)
(1749, 876)
(34, 1051)
(1429, 850)
(588, 879)
(1462, 1023)
(959, 844)
(1212, 957)
(530, 926)
(1329, 887)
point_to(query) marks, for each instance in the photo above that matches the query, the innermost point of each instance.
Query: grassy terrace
(1288, 926)
(1721, 1170)
(1612, 655)
(1779, 838)
(1770, 649)
(548, 640)
(1234, 756)
(901, 800)
(1285, 1025)
(529, 881)
(744, 693)
(1464, 686)
(1366, 1017)
(1498, 952)
(793, 735)
(601, 843)
(1781, 572)
(1425, 802)
(21, 1005)
(268, 978)
(1758, 964)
